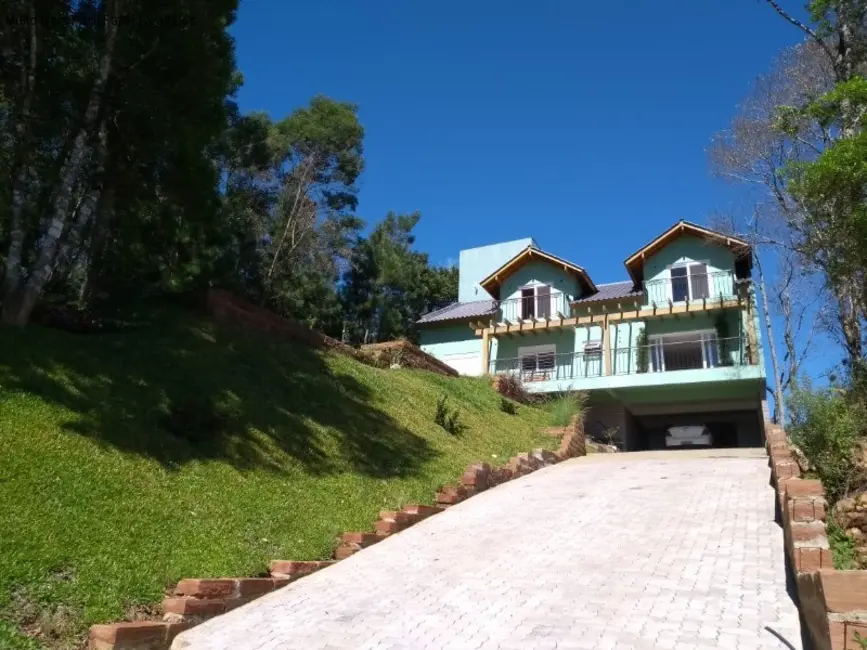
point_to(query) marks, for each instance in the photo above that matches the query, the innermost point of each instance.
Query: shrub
(508, 406)
(843, 551)
(642, 352)
(826, 426)
(447, 419)
(565, 407)
(512, 387)
(198, 418)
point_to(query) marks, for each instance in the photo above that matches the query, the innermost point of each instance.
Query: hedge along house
(677, 344)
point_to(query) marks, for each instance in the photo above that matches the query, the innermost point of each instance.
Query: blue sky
(583, 125)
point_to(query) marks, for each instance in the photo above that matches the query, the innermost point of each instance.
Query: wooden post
(606, 345)
(486, 351)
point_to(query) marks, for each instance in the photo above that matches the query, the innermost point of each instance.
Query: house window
(537, 362)
(528, 303)
(684, 351)
(536, 302)
(689, 282)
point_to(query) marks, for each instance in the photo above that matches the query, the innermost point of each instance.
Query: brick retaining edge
(195, 600)
(833, 603)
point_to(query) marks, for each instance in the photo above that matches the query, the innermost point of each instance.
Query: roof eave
(492, 283)
(634, 263)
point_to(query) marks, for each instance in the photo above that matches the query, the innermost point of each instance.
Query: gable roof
(459, 311)
(492, 283)
(635, 262)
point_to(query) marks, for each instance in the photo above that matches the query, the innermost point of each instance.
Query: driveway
(656, 550)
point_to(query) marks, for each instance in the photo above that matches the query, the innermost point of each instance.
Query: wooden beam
(641, 314)
(486, 352)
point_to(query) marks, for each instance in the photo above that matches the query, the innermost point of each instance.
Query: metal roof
(612, 290)
(460, 310)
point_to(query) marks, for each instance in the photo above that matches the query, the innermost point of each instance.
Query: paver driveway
(618, 551)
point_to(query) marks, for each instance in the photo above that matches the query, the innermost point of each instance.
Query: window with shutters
(538, 362)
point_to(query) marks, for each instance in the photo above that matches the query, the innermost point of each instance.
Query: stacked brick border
(833, 603)
(195, 600)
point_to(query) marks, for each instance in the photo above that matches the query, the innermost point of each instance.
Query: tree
(108, 174)
(755, 152)
(829, 186)
(389, 286)
(321, 159)
(288, 200)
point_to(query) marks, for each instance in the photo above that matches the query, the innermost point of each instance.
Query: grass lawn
(103, 508)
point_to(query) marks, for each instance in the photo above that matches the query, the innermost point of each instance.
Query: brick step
(294, 569)
(141, 635)
(361, 540)
(421, 511)
(197, 600)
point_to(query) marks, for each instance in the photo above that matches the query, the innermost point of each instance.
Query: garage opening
(722, 429)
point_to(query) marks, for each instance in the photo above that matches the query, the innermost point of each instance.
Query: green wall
(536, 273)
(455, 344)
(657, 273)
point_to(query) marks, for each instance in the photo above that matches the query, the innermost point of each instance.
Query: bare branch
(804, 28)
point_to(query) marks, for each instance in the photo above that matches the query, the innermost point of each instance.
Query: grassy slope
(102, 509)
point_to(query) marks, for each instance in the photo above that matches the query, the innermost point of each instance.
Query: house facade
(675, 345)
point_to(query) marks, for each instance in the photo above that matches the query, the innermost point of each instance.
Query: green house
(675, 348)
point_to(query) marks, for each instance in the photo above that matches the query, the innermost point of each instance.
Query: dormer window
(536, 302)
(689, 282)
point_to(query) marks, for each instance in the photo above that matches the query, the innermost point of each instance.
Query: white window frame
(534, 351)
(707, 339)
(536, 310)
(689, 288)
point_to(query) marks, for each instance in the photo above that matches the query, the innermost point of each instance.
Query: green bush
(565, 407)
(447, 419)
(508, 406)
(826, 426)
(642, 352)
(843, 551)
(198, 418)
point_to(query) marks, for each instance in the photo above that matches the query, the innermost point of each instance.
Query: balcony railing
(667, 356)
(551, 306)
(695, 287)
(543, 367)
(660, 356)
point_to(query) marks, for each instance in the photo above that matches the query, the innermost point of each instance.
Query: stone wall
(833, 603)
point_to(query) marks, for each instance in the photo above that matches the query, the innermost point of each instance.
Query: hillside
(103, 507)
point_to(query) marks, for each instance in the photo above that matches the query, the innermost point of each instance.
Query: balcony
(547, 367)
(690, 287)
(657, 363)
(673, 352)
(538, 306)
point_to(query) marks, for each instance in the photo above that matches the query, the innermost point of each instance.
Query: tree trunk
(91, 286)
(779, 406)
(21, 172)
(17, 311)
(850, 325)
